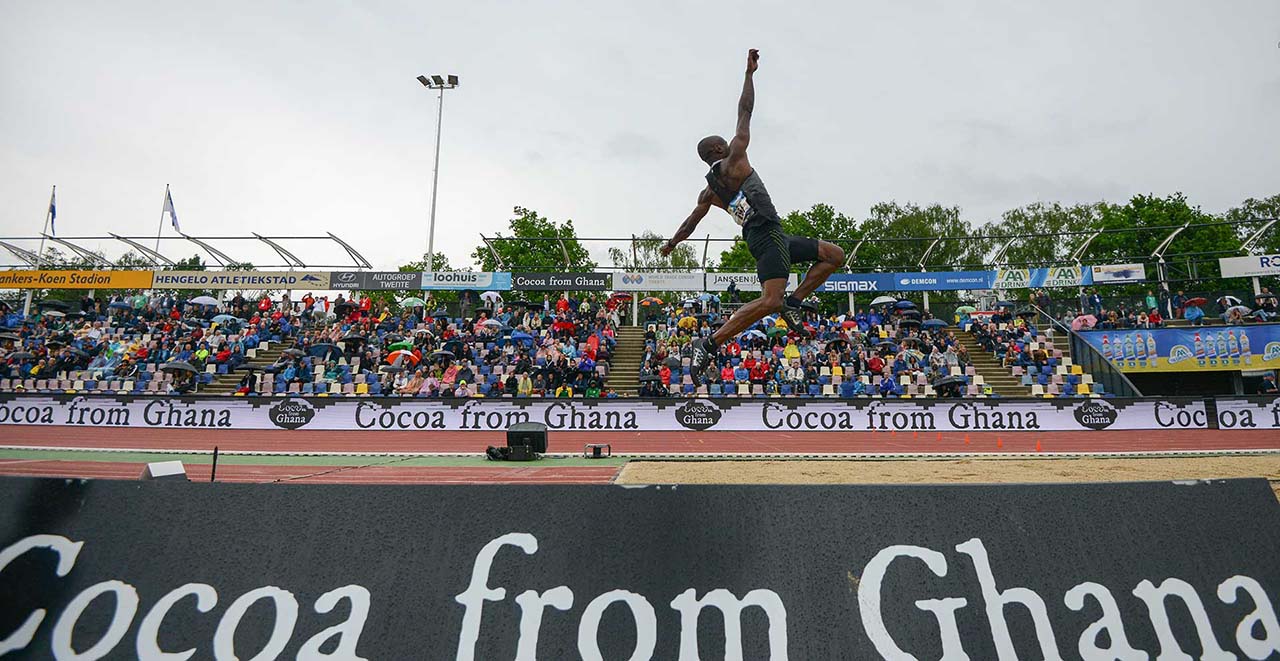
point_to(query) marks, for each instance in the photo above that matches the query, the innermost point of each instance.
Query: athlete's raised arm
(690, 223)
(746, 103)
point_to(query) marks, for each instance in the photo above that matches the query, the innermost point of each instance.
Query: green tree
(1258, 210)
(646, 253)
(899, 235)
(1034, 225)
(1147, 221)
(820, 221)
(534, 255)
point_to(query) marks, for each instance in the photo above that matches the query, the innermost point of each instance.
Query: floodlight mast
(436, 82)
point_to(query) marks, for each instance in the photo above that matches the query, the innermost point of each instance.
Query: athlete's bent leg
(830, 260)
(770, 301)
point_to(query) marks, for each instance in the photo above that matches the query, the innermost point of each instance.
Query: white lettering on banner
(147, 644)
(498, 414)
(851, 285)
(871, 601)
(978, 586)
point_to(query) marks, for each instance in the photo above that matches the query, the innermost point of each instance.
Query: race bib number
(739, 208)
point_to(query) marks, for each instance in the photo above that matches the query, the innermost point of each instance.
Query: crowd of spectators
(891, 350)
(1154, 311)
(136, 343)
(553, 348)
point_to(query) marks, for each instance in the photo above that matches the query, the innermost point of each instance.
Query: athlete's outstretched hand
(753, 60)
(666, 249)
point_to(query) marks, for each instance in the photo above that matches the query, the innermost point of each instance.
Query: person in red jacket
(665, 375)
(366, 304)
(759, 373)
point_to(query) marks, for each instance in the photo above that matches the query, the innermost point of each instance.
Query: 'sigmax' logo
(699, 416)
(291, 414)
(1096, 414)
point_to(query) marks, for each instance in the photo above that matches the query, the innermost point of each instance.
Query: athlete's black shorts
(775, 251)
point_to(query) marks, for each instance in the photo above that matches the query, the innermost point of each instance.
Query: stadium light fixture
(439, 83)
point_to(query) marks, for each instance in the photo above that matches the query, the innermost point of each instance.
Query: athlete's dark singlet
(749, 204)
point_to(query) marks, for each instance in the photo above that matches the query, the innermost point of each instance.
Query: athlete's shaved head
(712, 148)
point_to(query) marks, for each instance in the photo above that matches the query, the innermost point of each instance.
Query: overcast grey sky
(304, 117)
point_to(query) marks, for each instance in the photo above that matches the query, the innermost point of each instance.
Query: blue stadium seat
(787, 389)
(713, 389)
(688, 389)
(815, 390)
(824, 379)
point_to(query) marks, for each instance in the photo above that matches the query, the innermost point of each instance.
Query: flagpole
(160, 230)
(26, 304)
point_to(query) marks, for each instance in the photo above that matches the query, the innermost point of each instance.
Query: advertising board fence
(75, 279)
(676, 414)
(1252, 265)
(316, 280)
(118, 569)
(1219, 348)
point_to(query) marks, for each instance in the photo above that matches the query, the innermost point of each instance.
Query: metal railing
(1092, 361)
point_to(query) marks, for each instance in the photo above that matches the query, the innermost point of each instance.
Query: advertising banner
(376, 280)
(778, 414)
(1108, 273)
(1054, 276)
(943, 280)
(240, 280)
(655, 281)
(1190, 349)
(156, 569)
(466, 280)
(75, 279)
(562, 281)
(743, 281)
(1252, 265)
(1262, 412)
(858, 282)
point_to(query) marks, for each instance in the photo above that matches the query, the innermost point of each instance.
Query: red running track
(109, 470)
(660, 442)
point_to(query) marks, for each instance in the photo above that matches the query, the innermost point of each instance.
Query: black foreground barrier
(125, 570)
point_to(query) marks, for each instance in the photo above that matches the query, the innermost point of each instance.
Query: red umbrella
(1197, 301)
(402, 355)
(849, 324)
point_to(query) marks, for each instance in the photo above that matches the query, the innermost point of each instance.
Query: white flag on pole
(53, 211)
(168, 208)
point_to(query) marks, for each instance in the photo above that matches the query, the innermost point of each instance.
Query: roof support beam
(84, 253)
(356, 257)
(148, 252)
(287, 256)
(221, 257)
(25, 255)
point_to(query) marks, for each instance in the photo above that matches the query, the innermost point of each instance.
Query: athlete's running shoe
(794, 316)
(701, 357)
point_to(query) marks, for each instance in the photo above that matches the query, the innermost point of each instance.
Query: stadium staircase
(1006, 382)
(225, 384)
(1001, 380)
(624, 370)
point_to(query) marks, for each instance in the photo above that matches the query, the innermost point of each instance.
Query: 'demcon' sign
(1118, 571)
